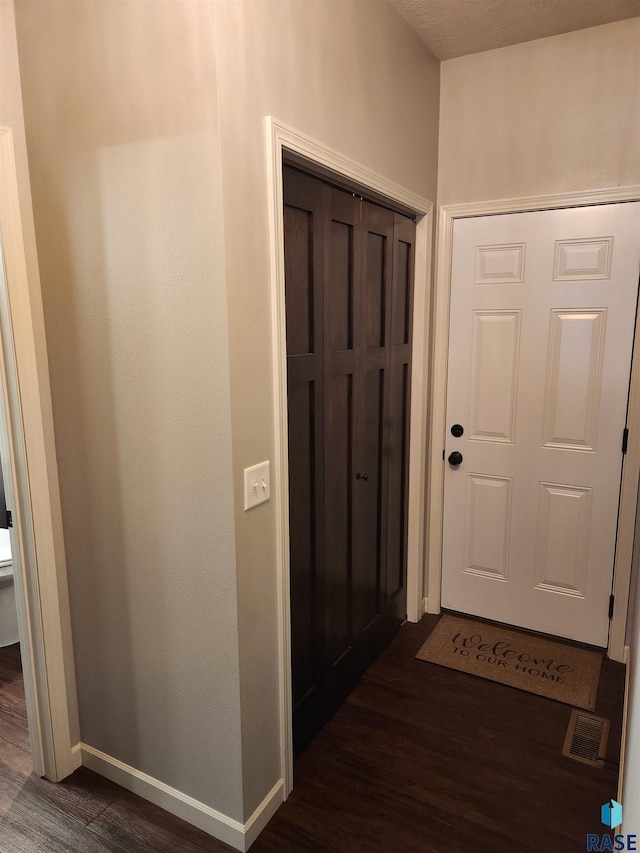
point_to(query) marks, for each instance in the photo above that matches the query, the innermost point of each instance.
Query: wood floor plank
(133, 824)
(32, 825)
(13, 731)
(83, 796)
(419, 758)
(448, 761)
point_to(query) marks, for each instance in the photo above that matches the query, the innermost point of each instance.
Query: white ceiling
(457, 27)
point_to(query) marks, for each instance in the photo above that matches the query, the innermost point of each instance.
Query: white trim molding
(31, 486)
(263, 814)
(281, 138)
(435, 489)
(239, 835)
(625, 722)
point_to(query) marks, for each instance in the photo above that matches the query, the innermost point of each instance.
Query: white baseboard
(232, 832)
(432, 606)
(76, 756)
(625, 713)
(65, 764)
(425, 606)
(263, 814)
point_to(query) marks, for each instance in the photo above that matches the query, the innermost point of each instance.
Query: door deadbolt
(457, 430)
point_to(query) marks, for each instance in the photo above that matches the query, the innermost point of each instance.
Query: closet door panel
(398, 413)
(303, 550)
(342, 270)
(367, 553)
(397, 491)
(339, 516)
(304, 211)
(374, 299)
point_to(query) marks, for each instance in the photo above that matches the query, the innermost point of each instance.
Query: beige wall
(355, 77)
(121, 117)
(560, 114)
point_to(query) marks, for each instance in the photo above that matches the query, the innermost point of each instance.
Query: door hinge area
(612, 599)
(9, 519)
(625, 439)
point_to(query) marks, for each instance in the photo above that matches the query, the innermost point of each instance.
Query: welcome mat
(564, 673)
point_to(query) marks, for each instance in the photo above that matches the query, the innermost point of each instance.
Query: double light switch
(257, 485)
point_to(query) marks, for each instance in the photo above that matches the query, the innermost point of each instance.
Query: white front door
(543, 310)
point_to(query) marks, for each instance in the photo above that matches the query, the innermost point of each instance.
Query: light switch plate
(257, 485)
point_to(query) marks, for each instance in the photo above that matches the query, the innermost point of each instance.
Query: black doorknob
(455, 458)
(364, 477)
(457, 430)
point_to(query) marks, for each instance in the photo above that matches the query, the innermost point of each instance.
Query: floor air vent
(586, 739)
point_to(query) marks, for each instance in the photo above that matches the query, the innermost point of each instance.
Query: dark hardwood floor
(419, 758)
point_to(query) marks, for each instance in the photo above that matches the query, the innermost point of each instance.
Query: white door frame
(32, 493)
(631, 465)
(281, 137)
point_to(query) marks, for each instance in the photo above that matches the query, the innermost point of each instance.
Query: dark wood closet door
(373, 421)
(348, 273)
(304, 226)
(404, 237)
(343, 263)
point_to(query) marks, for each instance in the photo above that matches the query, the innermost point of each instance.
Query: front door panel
(543, 310)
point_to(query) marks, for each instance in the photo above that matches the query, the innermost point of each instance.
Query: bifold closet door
(397, 417)
(304, 225)
(381, 427)
(348, 272)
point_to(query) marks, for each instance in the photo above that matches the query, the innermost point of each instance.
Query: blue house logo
(612, 814)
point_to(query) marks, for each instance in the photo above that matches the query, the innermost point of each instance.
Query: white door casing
(542, 319)
(32, 493)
